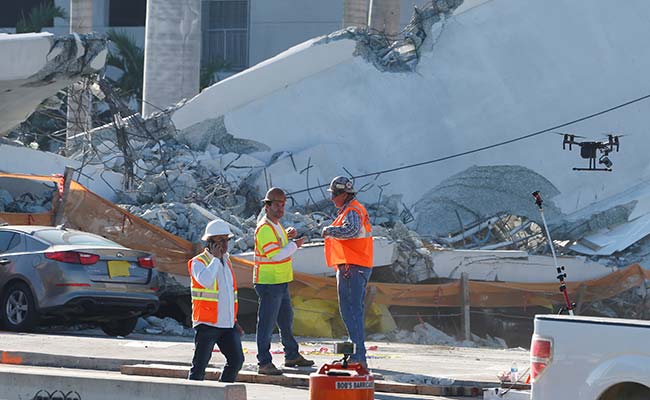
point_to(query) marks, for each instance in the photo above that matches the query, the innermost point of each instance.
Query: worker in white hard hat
(214, 304)
(349, 250)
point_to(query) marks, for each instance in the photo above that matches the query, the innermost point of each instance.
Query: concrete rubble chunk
(214, 131)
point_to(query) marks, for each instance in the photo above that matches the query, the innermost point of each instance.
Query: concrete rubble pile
(424, 333)
(182, 180)
(33, 203)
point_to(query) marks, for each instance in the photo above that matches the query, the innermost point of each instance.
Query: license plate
(118, 268)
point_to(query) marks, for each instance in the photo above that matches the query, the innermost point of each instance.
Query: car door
(8, 241)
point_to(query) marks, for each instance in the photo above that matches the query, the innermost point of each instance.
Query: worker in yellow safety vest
(349, 249)
(273, 271)
(215, 305)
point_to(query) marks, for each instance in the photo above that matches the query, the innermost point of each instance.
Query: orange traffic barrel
(336, 381)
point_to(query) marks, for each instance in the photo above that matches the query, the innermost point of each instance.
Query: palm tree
(40, 17)
(125, 55)
(209, 72)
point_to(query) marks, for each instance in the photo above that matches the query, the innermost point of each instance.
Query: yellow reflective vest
(205, 301)
(268, 243)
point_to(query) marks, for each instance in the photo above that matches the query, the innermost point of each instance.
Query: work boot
(299, 361)
(268, 369)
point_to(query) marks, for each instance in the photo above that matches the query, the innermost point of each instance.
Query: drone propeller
(567, 134)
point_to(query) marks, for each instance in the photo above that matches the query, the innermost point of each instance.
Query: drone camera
(345, 348)
(605, 161)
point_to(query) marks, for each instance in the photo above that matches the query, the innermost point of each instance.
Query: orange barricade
(333, 382)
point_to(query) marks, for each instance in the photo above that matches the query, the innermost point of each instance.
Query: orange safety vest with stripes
(268, 243)
(205, 301)
(357, 250)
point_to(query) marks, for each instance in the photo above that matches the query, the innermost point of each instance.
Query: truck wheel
(626, 391)
(18, 308)
(119, 327)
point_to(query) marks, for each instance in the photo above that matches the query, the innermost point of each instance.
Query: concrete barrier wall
(22, 382)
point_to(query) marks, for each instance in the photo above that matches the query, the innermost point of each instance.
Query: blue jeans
(274, 307)
(351, 282)
(229, 342)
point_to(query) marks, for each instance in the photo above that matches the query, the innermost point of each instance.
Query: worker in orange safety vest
(215, 305)
(349, 249)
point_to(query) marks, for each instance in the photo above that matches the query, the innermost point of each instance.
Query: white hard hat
(215, 228)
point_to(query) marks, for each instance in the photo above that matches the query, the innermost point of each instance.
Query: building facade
(242, 32)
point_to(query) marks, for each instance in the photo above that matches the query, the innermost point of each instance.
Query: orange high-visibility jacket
(205, 301)
(358, 250)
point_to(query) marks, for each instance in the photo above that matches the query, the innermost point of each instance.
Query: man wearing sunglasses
(215, 305)
(349, 249)
(273, 271)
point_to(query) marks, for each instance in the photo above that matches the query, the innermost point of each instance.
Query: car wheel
(18, 308)
(119, 327)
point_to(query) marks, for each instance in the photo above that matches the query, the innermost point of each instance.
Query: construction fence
(89, 212)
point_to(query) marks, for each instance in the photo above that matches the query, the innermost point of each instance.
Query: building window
(225, 32)
(13, 11)
(127, 12)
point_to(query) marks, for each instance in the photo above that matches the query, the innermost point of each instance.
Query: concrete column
(79, 100)
(172, 53)
(355, 13)
(384, 16)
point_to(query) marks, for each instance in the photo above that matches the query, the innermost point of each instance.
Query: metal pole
(464, 301)
(59, 214)
(560, 270)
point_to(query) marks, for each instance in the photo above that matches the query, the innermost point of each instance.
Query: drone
(589, 150)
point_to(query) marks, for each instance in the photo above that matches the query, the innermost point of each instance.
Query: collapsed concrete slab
(479, 193)
(479, 80)
(37, 65)
(611, 225)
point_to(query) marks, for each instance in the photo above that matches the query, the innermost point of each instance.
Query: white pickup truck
(589, 358)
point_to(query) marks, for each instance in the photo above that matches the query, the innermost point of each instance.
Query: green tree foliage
(39, 17)
(125, 55)
(209, 72)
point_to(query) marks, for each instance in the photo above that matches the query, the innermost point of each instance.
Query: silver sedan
(60, 275)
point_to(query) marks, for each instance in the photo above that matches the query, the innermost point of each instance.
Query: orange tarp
(27, 219)
(482, 294)
(86, 211)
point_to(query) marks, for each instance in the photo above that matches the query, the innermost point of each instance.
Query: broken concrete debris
(425, 333)
(400, 54)
(32, 203)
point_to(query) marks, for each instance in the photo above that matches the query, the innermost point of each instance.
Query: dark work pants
(274, 307)
(229, 342)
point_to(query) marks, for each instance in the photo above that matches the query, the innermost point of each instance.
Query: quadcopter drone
(589, 151)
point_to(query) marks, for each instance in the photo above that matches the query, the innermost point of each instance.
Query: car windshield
(60, 237)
